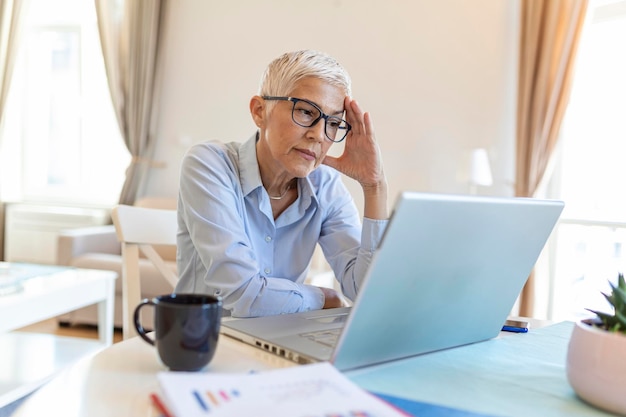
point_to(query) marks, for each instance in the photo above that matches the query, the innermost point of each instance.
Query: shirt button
(267, 270)
(268, 238)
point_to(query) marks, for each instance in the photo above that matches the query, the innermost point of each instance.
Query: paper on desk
(316, 390)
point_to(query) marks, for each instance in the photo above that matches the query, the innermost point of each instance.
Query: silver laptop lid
(448, 272)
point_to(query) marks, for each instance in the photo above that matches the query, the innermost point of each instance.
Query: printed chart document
(316, 390)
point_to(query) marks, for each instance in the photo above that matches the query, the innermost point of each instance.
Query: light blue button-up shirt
(229, 244)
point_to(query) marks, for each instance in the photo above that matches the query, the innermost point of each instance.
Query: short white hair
(283, 73)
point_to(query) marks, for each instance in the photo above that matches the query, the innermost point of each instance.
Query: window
(61, 141)
(589, 244)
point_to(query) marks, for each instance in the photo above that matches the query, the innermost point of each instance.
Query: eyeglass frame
(322, 115)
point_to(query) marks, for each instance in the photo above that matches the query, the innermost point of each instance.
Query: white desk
(118, 380)
(29, 360)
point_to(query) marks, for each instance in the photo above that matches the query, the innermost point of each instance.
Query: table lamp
(480, 170)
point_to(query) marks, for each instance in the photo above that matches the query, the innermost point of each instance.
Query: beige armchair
(98, 248)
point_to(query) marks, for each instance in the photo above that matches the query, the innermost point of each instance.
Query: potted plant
(596, 356)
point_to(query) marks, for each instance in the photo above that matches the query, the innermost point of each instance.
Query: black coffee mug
(186, 328)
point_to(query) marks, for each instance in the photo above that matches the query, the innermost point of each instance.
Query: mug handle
(137, 320)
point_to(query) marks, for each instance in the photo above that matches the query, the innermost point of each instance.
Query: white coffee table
(31, 359)
(51, 291)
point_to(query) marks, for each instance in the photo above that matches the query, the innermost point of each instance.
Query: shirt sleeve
(371, 236)
(347, 245)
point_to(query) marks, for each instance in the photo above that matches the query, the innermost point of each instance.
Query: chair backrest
(138, 229)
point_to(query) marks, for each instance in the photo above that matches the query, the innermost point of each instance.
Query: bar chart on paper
(316, 390)
(212, 399)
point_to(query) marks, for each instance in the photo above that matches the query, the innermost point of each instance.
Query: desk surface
(42, 292)
(31, 359)
(519, 375)
(118, 380)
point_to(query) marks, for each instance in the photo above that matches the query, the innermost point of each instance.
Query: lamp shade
(480, 170)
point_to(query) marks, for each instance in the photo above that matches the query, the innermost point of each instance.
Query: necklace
(280, 197)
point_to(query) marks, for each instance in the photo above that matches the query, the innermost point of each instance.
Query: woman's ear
(257, 110)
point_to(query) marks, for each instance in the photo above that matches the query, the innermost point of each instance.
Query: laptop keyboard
(325, 337)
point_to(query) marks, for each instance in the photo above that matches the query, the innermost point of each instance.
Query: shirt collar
(249, 173)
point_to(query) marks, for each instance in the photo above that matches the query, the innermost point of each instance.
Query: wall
(439, 78)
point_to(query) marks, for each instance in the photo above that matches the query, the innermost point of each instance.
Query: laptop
(447, 273)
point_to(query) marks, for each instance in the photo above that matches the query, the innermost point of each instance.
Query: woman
(250, 214)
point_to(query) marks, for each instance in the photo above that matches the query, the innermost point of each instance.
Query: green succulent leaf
(621, 318)
(619, 298)
(609, 298)
(615, 322)
(606, 318)
(621, 282)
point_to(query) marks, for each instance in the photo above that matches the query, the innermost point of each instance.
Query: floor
(51, 327)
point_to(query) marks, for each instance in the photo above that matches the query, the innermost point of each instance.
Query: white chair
(141, 229)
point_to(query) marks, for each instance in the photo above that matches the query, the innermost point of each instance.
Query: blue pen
(515, 326)
(515, 329)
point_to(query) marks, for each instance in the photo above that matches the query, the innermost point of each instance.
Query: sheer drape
(550, 31)
(11, 22)
(11, 12)
(130, 35)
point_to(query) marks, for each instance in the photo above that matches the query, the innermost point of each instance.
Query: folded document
(300, 391)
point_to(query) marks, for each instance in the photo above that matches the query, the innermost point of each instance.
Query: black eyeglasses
(306, 114)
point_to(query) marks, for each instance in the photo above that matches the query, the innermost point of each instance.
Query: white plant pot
(596, 367)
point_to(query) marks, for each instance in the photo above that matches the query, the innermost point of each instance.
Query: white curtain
(11, 25)
(10, 30)
(130, 36)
